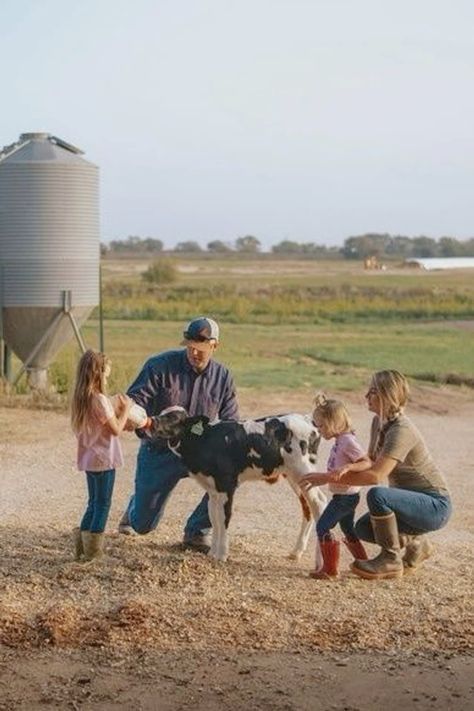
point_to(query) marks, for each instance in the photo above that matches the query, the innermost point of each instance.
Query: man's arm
(229, 409)
(145, 387)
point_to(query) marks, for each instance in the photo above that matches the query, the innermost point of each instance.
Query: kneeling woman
(417, 499)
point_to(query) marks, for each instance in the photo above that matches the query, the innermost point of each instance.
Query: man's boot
(77, 541)
(330, 551)
(200, 542)
(388, 563)
(93, 544)
(125, 527)
(357, 549)
(417, 549)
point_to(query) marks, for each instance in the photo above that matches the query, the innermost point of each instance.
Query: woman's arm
(352, 474)
(360, 465)
(315, 479)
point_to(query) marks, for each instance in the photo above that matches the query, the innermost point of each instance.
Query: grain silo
(49, 248)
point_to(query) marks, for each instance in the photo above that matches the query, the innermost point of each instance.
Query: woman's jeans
(416, 512)
(157, 473)
(100, 486)
(340, 510)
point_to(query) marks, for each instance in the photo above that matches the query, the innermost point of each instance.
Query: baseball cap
(201, 330)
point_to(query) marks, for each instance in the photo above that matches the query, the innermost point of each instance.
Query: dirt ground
(157, 627)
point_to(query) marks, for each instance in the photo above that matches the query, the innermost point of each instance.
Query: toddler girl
(333, 422)
(99, 452)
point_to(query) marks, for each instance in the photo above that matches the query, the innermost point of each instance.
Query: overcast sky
(309, 120)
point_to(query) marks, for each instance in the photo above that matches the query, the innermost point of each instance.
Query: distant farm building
(442, 263)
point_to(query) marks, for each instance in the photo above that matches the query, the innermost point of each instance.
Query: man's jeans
(340, 510)
(100, 486)
(157, 473)
(416, 512)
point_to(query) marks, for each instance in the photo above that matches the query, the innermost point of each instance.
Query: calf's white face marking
(297, 455)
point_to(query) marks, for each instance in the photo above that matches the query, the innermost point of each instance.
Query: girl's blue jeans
(156, 475)
(340, 510)
(416, 512)
(100, 486)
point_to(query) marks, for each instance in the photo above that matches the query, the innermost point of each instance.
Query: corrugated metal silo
(49, 247)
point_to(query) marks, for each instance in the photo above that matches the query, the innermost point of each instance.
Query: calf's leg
(220, 546)
(313, 503)
(306, 520)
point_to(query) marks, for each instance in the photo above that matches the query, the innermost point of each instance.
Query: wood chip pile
(154, 595)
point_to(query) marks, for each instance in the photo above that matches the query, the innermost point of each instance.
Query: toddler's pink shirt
(345, 450)
(97, 448)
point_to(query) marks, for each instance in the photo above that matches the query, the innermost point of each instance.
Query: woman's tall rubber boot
(77, 541)
(417, 549)
(357, 549)
(93, 544)
(388, 563)
(330, 551)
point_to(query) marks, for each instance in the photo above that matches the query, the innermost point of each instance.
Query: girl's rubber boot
(388, 563)
(356, 548)
(77, 541)
(93, 544)
(331, 551)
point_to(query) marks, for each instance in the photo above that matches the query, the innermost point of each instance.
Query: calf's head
(173, 424)
(298, 440)
(169, 424)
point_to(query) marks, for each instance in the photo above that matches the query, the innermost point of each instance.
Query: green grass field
(289, 324)
(278, 292)
(291, 357)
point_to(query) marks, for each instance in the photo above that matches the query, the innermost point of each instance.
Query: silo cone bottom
(38, 379)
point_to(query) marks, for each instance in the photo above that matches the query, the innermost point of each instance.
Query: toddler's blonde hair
(333, 413)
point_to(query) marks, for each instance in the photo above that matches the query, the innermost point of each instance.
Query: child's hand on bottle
(125, 403)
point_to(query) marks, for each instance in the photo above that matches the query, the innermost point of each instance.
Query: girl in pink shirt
(333, 422)
(98, 452)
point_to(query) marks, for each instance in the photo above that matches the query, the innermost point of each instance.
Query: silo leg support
(77, 333)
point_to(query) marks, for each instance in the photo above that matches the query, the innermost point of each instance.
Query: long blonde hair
(89, 382)
(392, 389)
(333, 412)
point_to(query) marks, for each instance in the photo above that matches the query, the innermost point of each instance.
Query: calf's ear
(277, 429)
(314, 442)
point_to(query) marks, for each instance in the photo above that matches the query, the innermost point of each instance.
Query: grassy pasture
(289, 324)
(294, 356)
(269, 291)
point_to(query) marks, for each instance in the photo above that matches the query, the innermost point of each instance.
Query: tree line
(384, 246)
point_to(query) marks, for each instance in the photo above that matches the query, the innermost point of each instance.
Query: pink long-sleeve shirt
(97, 448)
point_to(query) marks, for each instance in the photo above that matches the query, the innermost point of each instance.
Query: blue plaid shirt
(169, 379)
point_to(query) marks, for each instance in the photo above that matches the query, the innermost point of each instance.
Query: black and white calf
(222, 455)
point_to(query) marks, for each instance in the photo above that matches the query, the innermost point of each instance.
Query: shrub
(161, 271)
